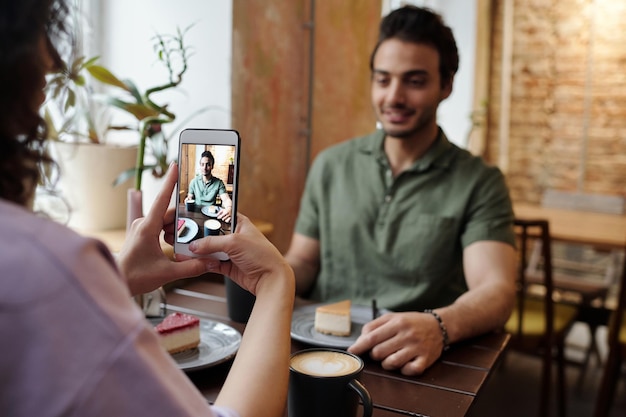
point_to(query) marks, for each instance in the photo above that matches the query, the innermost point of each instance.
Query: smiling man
(205, 188)
(404, 216)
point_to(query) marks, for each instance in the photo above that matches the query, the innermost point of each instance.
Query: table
(448, 388)
(199, 218)
(605, 231)
(600, 230)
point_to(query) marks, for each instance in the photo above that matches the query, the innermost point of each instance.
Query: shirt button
(387, 198)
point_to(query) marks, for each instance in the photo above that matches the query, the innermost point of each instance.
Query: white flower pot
(86, 181)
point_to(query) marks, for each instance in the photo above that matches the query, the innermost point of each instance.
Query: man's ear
(446, 89)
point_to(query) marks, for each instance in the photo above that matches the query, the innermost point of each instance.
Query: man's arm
(490, 274)
(304, 258)
(413, 341)
(191, 192)
(226, 201)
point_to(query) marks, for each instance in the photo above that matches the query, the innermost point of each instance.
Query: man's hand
(225, 214)
(410, 342)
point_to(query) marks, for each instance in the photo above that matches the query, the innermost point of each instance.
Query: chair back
(616, 356)
(538, 325)
(528, 296)
(617, 319)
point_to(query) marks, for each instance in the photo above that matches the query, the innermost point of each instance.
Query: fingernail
(211, 266)
(193, 246)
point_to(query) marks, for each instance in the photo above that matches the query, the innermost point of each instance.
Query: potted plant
(85, 121)
(88, 163)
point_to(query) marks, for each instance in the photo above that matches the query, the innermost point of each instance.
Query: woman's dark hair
(24, 25)
(423, 26)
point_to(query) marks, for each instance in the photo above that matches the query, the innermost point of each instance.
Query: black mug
(239, 301)
(324, 383)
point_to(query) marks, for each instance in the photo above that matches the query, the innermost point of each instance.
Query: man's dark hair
(208, 154)
(423, 26)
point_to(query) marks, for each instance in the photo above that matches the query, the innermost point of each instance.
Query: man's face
(406, 88)
(205, 167)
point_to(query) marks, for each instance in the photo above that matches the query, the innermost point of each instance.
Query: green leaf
(71, 99)
(90, 62)
(132, 88)
(52, 132)
(77, 65)
(140, 111)
(56, 91)
(124, 176)
(79, 80)
(105, 76)
(118, 127)
(92, 133)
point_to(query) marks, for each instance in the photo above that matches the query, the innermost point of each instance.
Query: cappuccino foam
(325, 363)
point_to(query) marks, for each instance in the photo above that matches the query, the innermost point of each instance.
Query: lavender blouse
(73, 341)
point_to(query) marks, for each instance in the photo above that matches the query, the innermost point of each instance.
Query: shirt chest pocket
(423, 244)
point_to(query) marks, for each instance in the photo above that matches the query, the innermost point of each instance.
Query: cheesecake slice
(179, 332)
(181, 227)
(334, 319)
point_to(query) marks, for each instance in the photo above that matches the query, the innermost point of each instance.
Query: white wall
(125, 44)
(460, 15)
(122, 34)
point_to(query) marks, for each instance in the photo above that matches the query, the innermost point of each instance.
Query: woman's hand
(141, 259)
(252, 257)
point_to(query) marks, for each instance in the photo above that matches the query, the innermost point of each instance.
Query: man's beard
(410, 131)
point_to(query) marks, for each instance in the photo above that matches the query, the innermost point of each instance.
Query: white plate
(218, 343)
(303, 326)
(205, 210)
(191, 230)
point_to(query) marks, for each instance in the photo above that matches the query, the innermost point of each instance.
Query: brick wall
(568, 97)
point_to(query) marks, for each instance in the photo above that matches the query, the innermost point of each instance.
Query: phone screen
(207, 186)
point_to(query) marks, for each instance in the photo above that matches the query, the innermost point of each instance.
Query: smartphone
(206, 192)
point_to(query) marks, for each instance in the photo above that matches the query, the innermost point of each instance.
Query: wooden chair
(587, 294)
(579, 281)
(538, 325)
(617, 353)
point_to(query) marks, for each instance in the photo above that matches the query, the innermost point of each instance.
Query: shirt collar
(437, 155)
(208, 182)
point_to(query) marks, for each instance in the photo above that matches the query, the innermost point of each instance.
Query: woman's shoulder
(39, 255)
(19, 224)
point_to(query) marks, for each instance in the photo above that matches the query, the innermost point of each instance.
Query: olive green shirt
(205, 193)
(400, 240)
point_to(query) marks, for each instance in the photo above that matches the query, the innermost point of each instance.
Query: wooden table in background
(605, 231)
(448, 388)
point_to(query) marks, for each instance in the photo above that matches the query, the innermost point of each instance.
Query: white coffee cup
(212, 227)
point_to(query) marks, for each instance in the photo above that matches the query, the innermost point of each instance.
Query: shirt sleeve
(221, 188)
(192, 189)
(491, 214)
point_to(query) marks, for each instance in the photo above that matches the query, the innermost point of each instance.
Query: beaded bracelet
(444, 331)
